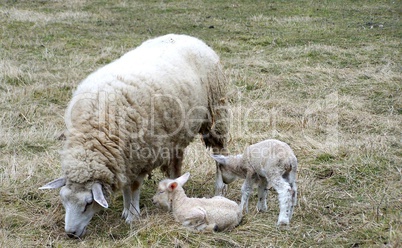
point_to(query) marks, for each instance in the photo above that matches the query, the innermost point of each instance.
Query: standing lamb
(133, 115)
(270, 162)
(213, 214)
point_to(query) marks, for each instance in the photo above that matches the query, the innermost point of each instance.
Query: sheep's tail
(216, 131)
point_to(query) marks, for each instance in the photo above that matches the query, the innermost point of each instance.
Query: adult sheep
(133, 115)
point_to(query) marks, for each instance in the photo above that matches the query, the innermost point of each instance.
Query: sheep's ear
(58, 183)
(98, 195)
(220, 159)
(172, 186)
(183, 179)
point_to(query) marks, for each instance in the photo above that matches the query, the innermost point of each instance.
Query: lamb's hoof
(212, 227)
(282, 224)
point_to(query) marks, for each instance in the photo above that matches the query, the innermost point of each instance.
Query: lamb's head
(166, 188)
(81, 202)
(230, 167)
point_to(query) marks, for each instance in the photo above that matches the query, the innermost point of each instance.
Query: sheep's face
(227, 174)
(80, 208)
(161, 198)
(167, 187)
(81, 202)
(230, 167)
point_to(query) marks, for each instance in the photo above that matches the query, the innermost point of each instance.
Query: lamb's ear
(220, 159)
(98, 195)
(58, 183)
(172, 186)
(183, 179)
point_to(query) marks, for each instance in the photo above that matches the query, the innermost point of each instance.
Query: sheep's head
(230, 167)
(81, 202)
(166, 187)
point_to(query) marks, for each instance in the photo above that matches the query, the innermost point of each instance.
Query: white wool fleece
(135, 114)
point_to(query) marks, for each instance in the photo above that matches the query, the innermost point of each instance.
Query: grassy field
(323, 76)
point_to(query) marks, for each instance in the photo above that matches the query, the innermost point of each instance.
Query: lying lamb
(268, 162)
(133, 115)
(213, 214)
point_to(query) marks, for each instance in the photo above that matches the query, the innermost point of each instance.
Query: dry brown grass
(323, 76)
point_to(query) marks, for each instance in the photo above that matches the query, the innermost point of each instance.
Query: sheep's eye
(161, 192)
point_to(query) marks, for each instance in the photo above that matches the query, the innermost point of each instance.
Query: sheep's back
(269, 154)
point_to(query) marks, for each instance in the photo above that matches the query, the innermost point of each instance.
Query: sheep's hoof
(130, 218)
(124, 215)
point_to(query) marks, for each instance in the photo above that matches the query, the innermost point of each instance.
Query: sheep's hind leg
(294, 198)
(285, 200)
(291, 179)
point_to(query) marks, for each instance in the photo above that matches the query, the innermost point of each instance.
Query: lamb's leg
(285, 199)
(196, 219)
(293, 185)
(212, 227)
(134, 209)
(246, 190)
(294, 198)
(292, 182)
(220, 186)
(262, 194)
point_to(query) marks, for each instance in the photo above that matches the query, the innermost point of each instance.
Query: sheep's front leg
(262, 195)
(134, 202)
(246, 190)
(126, 201)
(285, 200)
(174, 169)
